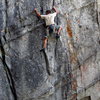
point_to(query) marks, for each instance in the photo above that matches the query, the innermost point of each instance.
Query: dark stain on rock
(80, 26)
(99, 41)
(87, 28)
(12, 27)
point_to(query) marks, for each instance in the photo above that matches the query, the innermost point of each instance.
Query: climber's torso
(49, 19)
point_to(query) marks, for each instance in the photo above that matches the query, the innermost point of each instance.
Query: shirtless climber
(50, 24)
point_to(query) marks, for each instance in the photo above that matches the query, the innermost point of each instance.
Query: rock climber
(50, 25)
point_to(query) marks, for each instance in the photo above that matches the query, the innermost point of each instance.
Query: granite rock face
(69, 69)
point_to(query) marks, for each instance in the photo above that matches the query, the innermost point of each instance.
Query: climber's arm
(55, 10)
(38, 14)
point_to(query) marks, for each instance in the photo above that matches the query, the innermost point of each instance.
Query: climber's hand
(35, 10)
(57, 36)
(53, 7)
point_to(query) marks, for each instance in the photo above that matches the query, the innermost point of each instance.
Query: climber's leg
(58, 28)
(45, 42)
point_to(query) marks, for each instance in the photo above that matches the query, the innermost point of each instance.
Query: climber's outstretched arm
(55, 10)
(38, 14)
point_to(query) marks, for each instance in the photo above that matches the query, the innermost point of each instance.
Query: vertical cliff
(69, 69)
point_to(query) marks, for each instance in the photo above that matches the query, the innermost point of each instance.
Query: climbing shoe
(42, 49)
(57, 36)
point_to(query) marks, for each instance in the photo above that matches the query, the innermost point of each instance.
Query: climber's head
(48, 12)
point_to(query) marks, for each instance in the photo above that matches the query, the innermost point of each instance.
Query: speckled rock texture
(69, 69)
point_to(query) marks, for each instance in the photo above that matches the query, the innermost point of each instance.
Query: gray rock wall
(69, 69)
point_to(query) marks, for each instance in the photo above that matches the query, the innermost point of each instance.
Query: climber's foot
(57, 36)
(42, 49)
